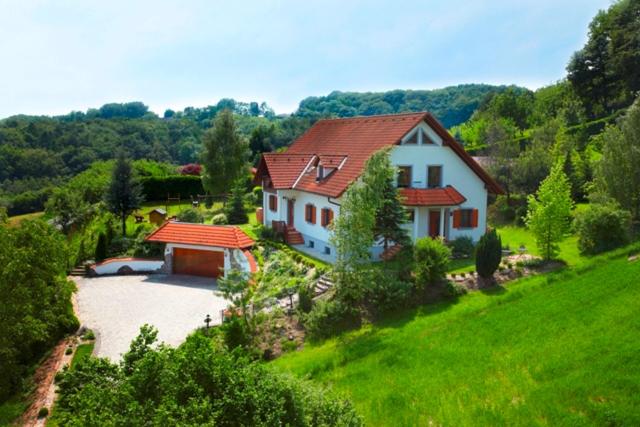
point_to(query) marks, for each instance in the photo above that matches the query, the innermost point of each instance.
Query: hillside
(559, 349)
(451, 105)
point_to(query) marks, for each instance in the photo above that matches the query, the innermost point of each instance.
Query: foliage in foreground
(198, 383)
(35, 306)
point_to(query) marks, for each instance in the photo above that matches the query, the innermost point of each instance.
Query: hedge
(157, 188)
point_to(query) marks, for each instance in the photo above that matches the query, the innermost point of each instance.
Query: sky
(62, 56)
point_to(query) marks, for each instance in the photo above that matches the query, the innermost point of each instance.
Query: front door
(434, 223)
(290, 204)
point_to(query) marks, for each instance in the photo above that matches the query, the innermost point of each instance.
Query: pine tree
(549, 212)
(390, 215)
(488, 254)
(235, 211)
(101, 247)
(124, 193)
(224, 156)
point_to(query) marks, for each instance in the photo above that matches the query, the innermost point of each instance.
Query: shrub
(43, 412)
(602, 227)
(455, 289)
(190, 169)
(89, 335)
(431, 260)
(387, 292)
(488, 254)
(68, 351)
(328, 318)
(236, 333)
(190, 215)
(101, 247)
(219, 219)
(305, 299)
(462, 247)
(158, 187)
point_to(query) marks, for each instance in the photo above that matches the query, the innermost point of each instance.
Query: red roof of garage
(447, 196)
(222, 236)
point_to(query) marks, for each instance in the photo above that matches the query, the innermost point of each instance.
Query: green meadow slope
(561, 349)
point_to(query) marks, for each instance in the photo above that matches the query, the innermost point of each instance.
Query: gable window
(404, 176)
(413, 139)
(434, 176)
(310, 213)
(426, 139)
(326, 217)
(273, 203)
(465, 218)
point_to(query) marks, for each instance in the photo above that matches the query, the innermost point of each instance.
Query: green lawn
(82, 352)
(561, 349)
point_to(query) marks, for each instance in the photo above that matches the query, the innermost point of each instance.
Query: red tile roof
(447, 196)
(356, 138)
(222, 236)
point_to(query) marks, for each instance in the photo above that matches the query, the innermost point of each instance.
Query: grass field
(561, 349)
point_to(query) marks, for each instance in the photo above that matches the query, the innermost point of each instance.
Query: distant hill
(451, 105)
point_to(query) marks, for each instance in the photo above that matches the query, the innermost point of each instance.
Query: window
(465, 218)
(326, 216)
(426, 139)
(413, 139)
(273, 203)
(411, 215)
(310, 213)
(327, 250)
(320, 175)
(404, 176)
(312, 244)
(434, 176)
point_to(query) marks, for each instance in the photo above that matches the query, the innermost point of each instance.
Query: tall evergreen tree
(390, 215)
(235, 211)
(124, 193)
(225, 154)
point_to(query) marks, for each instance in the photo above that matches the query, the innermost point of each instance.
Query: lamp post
(207, 320)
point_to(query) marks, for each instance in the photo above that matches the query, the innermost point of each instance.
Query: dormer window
(320, 173)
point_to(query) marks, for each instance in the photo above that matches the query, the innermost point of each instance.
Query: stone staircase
(78, 271)
(323, 284)
(293, 236)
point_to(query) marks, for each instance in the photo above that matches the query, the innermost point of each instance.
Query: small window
(466, 218)
(413, 139)
(326, 217)
(327, 250)
(434, 176)
(312, 244)
(273, 203)
(320, 175)
(426, 139)
(310, 213)
(411, 215)
(404, 176)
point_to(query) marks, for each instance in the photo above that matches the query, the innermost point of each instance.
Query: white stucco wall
(316, 231)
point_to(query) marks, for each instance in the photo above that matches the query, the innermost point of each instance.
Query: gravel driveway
(115, 307)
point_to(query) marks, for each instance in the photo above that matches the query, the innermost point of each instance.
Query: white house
(443, 188)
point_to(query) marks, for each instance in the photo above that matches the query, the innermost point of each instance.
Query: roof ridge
(373, 117)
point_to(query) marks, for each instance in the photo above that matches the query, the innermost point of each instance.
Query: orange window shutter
(474, 218)
(456, 218)
(330, 220)
(313, 214)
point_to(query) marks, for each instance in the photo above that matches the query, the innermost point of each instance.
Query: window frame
(310, 213)
(440, 185)
(410, 176)
(469, 213)
(273, 203)
(326, 216)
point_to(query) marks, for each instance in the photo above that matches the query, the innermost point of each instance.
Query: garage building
(204, 250)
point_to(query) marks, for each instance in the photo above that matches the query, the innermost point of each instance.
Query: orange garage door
(197, 263)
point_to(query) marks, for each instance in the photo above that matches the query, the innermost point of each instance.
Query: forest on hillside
(38, 153)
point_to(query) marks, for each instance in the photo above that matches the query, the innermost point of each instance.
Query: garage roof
(221, 236)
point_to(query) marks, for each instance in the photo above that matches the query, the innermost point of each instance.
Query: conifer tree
(235, 211)
(124, 194)
(488, 254)
(390, 215)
